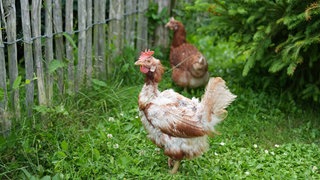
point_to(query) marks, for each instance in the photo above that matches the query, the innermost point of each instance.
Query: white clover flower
(266, 151)
(247, 173)
(216, 154)
(142, 152)
(110, 136)
(314, 168)
(137, 117)
(276, 145)
(222, 143)
(116, 146)
(157, 150)
(255, 146)
(111, 119)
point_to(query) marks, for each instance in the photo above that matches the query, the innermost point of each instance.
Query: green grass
(98, 135)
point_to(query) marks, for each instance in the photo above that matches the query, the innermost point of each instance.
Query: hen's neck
(148, 93)
(150, 88)
(151, 84)
(179, 36)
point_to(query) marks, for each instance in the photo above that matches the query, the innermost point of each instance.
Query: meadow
(97, 133)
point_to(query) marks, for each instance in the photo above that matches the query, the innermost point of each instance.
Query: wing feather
(176, 115)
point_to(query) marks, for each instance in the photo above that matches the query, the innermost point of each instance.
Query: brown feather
(176, 123)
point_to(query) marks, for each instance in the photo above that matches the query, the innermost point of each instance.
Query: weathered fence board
(162, 33)
(3, 77)
(89, 69)
(99, 39)
(10, 11)
(115, 37)
(59, 44)
(69, 47)
(36, 32)
(142, 25)
(28, 57)
(130, 22)
(50, 62)
(116, 26)
(49, 49)
(81, 44)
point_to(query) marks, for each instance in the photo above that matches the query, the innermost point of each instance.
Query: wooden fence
(52, 31)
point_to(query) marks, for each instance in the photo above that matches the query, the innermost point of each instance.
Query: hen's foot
(175, 167)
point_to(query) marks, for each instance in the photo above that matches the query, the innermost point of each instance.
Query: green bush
(279, 38)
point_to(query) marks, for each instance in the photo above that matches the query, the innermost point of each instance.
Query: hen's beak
(139, 63)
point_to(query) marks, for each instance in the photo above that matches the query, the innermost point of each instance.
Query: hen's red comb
(146, 54)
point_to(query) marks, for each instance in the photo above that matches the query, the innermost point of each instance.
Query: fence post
(115, 38)
(28, 57)
(3, 79)
(36, 32)
(49, 49)
(89, 44)
(5, 123)
(59, 46)
(142, 25)
(69, 48)
(130, 19)
(162, 33)
(10, 10)
(99, 38)
(81, 44)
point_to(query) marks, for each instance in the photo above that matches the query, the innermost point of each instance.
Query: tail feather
(217, 97)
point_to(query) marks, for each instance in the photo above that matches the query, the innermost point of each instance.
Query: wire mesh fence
(62, 44)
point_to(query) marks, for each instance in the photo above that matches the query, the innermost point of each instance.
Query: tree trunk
(28, 57)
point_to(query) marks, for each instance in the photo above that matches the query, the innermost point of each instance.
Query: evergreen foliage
(280, 39)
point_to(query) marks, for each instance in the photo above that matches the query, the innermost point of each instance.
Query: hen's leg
(175, 167)
(170, 162)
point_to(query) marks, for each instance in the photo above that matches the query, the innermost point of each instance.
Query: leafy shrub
(280, 39)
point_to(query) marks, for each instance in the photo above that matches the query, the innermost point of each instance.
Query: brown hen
(189, 66)
(175, 123)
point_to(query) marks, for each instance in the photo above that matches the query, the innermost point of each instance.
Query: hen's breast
(173, 123)
(175, 147)
(181, 54)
